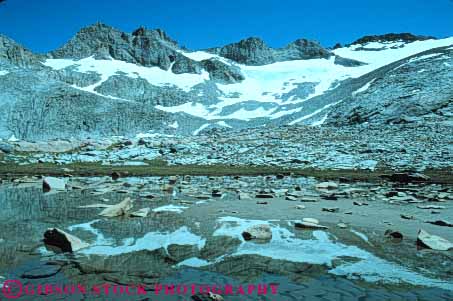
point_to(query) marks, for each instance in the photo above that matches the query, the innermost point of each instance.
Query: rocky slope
(107, 82)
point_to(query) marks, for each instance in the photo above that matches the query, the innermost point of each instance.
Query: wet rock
(310, 220)
(262, 202)
(326, 186)
(291, 198)
(259, 232)
(441, 223)
(51, 183)
(395, 235)
(309, 223)
(426, 240)
(331, 209)
(119, 209)
(141, 213)
(62, 240)
(430, 207)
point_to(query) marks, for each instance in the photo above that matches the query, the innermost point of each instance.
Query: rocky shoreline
(196, 224)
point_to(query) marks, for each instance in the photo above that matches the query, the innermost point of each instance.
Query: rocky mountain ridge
(107, 82)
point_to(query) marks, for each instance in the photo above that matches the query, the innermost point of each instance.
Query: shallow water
(197, 242)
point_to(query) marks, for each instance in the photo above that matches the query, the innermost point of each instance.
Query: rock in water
(326, 186)
(119, 209)
(396, 235)
(51, 183)
(259, 232)
(440, 223)
(308, 225)
(141, 213)
(64, 241)
(424, 239)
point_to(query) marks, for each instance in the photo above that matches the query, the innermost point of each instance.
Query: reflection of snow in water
(321, 250)
(194, 262)
(362, 236)
(151, 241)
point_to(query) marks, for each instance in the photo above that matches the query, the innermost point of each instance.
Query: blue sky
(46, 24)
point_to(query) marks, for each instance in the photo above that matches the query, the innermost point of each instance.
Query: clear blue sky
(43, 25)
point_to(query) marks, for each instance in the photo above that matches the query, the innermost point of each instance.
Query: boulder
(426, 240)
(62, 240)
(308, 225)
(258, 232)
(326, 186)
(119, 209)
(396, 235)
(51, 183)
(332, 209)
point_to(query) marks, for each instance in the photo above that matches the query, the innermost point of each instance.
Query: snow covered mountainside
(107, 82)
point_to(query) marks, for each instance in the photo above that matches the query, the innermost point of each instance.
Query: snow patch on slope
(107, 68)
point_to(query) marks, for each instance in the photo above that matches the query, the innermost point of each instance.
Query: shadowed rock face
(392, 37)
(16, 54)
(221, 72)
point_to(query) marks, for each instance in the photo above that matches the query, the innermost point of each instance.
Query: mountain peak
(145, 47)
(249, 51)
(154, 34)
